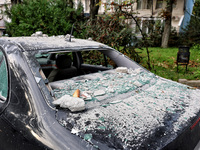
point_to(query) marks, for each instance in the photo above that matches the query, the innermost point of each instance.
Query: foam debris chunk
(72, 103)
(122, 70)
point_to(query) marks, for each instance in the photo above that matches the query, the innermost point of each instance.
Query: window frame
(157, 4)
(149, 4)
(144, 4)
(139, 4)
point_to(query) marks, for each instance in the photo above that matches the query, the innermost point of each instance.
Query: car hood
(135, 109)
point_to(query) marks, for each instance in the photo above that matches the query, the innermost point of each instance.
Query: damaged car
(63, 94)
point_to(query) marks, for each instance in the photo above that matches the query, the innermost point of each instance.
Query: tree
(94, 8)
(167, 14)
(50, 16)
(112, 29)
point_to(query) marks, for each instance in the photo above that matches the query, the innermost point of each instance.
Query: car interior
(60, 66)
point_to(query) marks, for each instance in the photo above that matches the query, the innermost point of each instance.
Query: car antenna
(70, 36)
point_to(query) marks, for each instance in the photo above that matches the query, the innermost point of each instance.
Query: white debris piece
(138, 70)
(99, 92)
(115, 102)
(131, 71)
(37, 79)
(122, 70)
(45, 35)
(33, 35)
(75, 131)
(72, 103)
(94, 76)
(39, 33)
(89, 92)
(86, 96)
(135, 71)
(111, 90)
(89, 39)
(137, 83)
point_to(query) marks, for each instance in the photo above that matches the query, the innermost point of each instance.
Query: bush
(155, 35)
(174, 38)
(51, 17)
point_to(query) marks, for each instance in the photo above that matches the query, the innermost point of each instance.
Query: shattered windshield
(125, 107)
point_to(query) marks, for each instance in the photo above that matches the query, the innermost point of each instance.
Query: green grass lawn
(163, 62)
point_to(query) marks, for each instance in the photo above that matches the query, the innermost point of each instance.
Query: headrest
(63, 61)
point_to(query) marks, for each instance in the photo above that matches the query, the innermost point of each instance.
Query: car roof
(54, 43)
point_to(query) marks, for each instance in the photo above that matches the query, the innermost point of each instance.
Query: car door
(6, 131)
(10, 137)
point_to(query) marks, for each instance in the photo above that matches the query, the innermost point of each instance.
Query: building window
(149, 4)
(159, 4)
(139, 4)
(144, 4)
(149, 25)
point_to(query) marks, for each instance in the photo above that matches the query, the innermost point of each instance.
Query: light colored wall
(177, 14)
(3, 17)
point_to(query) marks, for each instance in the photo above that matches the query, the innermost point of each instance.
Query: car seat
(64, 69)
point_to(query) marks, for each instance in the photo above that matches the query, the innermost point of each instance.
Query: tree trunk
(167, 26)
(15, 1)
(70, 3)
(94, 8)
(166, 33)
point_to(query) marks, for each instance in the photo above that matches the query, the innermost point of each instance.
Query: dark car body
(29, 120)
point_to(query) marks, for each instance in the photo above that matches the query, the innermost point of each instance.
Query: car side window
(97, 58)
(3, 78)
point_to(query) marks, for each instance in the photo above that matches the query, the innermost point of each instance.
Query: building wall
(3, 18)
(146, 11)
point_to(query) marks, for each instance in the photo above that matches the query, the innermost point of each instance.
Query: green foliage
(111, 30)
(95, 58)
(155, 32)
(196, 47)
(192, 32)
(51, 17)
(197, 74)
(196, 9)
